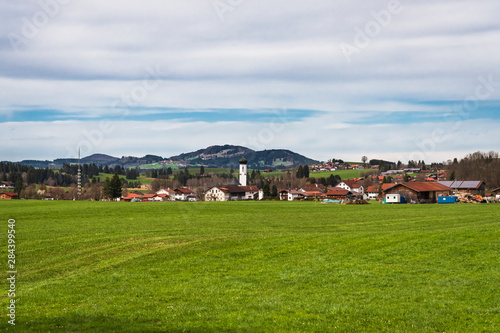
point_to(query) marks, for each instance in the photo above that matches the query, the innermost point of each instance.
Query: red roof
(375, 188)
(132, 195)
(10, 194)
(424, 186)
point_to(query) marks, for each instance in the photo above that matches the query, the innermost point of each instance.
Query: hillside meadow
(253, 267)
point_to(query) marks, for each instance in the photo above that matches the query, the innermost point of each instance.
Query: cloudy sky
(392, 79)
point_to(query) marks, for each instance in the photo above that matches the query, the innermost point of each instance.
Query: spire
(243, 160)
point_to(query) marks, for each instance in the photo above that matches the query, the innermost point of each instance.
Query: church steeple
(243, 171)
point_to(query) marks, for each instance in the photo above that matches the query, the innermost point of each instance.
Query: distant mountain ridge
(228, 156)
(219, 156)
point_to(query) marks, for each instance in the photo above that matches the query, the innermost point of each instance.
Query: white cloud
(263, 55)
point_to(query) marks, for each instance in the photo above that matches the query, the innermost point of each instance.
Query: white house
(293, 195)
(233, 193)
(184, 194)
(6, 185)
(353, 186)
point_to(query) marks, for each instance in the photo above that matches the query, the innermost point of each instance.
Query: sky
(394, 80)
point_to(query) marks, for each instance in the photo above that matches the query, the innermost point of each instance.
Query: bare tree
(364, 159)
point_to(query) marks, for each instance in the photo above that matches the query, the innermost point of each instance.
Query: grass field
(344, 174)
(253, 267)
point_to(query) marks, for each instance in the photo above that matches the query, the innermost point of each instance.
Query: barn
(472, 187)
(420, 192)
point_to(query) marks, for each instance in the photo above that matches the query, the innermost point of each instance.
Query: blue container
(447, 200)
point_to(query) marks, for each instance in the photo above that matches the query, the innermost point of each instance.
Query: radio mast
(79, 177)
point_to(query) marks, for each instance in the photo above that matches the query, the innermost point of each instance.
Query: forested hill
(223, 156)
(228, 156)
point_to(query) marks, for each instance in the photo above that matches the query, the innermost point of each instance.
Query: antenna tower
(79, 192)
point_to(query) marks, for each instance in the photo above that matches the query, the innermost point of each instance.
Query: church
(235, 191)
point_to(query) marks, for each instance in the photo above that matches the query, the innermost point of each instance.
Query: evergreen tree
(115, 187)
(202, 170)
(306, 171)
(18, 186)
(106, 188)
(169, 171)
(300, 172)
(266, 190)
(274, 191)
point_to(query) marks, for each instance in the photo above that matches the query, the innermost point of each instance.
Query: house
(295, 195)
(149, 197)
(421, 192)
(373, 191)
(168, 192)
(6, 185)
(131, 197)
(412, 170)
(233, 193)
(475, 187)
(338, 193)
(161, 197)
(8, 196)
(352, 185)
(283, 194)
(497, 192)
(313, 194)
(184, 194)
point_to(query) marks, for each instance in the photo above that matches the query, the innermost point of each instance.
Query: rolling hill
(223, 156)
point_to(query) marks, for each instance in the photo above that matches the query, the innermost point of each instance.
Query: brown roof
(238, 188)
(424, 187)
(374, 188)
(337, 191)
(352, 183)
(10, 194)
(184, 191)
(149, 195)
(496, 190)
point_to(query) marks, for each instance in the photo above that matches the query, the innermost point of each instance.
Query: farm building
(497, 192)
(420, 192)
(8, 196)
(373, 191)
(338, 193)
(475, 187)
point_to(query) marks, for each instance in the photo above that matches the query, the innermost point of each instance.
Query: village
(387, 187)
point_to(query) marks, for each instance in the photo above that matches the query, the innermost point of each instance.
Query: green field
(253, 267)
(344, 174)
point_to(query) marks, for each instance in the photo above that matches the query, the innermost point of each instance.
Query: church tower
(243, 171)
